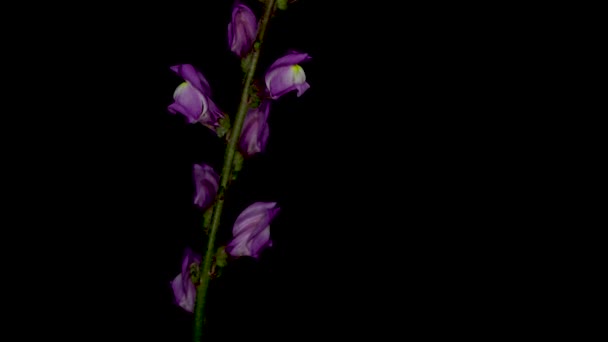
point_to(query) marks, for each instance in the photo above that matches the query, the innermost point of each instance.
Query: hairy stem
(203, 286)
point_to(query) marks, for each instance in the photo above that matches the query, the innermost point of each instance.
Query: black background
(386, 170)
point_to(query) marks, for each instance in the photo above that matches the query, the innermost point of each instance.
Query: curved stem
(203, 286)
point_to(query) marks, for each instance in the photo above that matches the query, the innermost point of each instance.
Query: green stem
(203, 286)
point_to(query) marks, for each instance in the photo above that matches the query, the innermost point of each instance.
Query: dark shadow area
(385, 170)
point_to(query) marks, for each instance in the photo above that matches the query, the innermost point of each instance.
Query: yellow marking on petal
(298, 74)
(180, 88)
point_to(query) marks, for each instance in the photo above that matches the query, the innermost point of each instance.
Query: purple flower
(254, 135)
(251, 230)
(242, 30)
(192, 98)
(183, 287)
(207, 182)
(285, 75)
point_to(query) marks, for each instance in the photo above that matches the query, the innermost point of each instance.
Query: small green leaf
(195, 272)
(282, 4)
(246, 62)
(221, 257)
(237, 164)
(207, 219)
(254, 98)
(224, 126)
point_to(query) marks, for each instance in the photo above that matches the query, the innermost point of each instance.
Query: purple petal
(260, 241)
(285, 79)
(239, 246)
(188, 101)
(183, 288)
(286, 75)
(192, 98)
(252, 215)
(179, 292)
(211, 115)
(184, 292)
(206, 181)
(251, 230)
(193, 76)
(291, 58)
(189, 257)
(255, 132)
(242, 30)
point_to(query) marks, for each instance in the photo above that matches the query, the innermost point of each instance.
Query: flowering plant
(246, 135)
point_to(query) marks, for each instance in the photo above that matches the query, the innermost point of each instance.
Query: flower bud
(206, 182)
(183, 287)
(254, 134)
(242, 30)
(251, 230)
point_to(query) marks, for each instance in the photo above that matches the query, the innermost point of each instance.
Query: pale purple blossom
(242, 30)
(251, 230)
(206, 182)
(183, 287)
(192, 98)
(286, 74)
(254, 134)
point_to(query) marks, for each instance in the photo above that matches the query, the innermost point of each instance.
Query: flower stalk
(203, 285)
